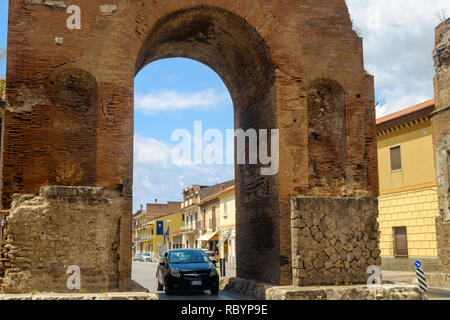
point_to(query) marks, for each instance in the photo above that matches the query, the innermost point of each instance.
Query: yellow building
(408, 195)
(165, 233)
(227, 225)
(140, 236)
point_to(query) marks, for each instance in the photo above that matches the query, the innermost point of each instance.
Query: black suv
(187, 270)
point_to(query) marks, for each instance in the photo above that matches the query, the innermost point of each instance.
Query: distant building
(139, 232)
(227, 225)
(408, 204)
(141, 220)
(201, 208)
(190, 229)
(155, 210)
(170, 237)
(216, 224)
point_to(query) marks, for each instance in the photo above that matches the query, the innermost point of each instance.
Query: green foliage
(387, 296)
(2, 89)
(2, 81)
(69, 174)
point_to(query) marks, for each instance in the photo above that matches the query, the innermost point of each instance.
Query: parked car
(146, 257)
(187, 270)
(137, 257)
(212, 257)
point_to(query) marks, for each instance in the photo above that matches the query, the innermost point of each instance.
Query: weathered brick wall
(443, 240)
(270, 54)
(441, 140)
(60, 227)
(334, 240)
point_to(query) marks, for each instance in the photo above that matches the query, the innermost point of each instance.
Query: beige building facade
(189, 207)
(227, 225)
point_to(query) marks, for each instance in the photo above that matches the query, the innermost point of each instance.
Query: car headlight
(175, 273)
(213, 272)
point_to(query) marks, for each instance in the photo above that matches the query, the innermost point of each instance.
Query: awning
(222, 241)
(207, 236)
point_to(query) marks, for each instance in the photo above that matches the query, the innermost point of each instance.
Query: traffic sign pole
(421, 278)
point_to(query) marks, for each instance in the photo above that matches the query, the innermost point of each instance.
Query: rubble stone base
(61, 227)
(80, 296)
(264, 291)
(361, 292)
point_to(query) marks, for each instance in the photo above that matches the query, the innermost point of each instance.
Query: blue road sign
(159, 228)
(418, 264)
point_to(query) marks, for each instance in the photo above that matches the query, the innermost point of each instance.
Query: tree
(442, 15)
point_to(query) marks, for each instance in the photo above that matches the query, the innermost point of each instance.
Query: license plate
(196, 283)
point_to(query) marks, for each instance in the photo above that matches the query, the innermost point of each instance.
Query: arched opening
(327, 137)
(173, 95)
(235, 51)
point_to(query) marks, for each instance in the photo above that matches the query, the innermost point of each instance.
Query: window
(225, 213)
(396, 158)
(204, 219)
(400, 242)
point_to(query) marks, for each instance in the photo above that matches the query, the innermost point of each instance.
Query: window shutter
(400, 242)
(396, 158)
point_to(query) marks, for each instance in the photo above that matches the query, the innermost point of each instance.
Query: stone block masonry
(60, 227)
(334, 240)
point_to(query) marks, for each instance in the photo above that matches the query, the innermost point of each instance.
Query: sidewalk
(398, 276)
(230, 269)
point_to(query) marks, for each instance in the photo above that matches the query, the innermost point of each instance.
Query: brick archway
(269, 55)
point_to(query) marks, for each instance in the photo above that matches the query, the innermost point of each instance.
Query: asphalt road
(144, 273)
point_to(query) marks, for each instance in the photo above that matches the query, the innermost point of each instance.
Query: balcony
(189, 227)
(139, 226)
(141, 238)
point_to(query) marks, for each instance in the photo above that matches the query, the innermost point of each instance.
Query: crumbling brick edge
(265, 291)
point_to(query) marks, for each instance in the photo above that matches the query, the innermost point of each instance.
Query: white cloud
(149, 151)
(398, 43)
(156, 176)
(173, 101)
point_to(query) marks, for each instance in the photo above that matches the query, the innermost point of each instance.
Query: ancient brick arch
(268, 54)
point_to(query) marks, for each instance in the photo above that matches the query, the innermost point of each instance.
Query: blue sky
(171, 94)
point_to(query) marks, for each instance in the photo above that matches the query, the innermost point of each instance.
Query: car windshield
(146, 254)
(188, 256)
